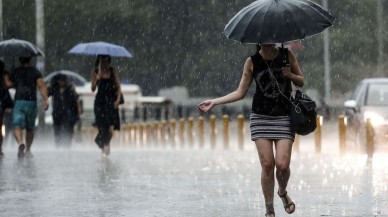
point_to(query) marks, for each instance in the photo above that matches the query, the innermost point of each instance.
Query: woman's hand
(286, 71)
(116, 104)
(205, 106)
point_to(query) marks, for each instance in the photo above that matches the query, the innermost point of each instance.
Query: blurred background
(178, 45)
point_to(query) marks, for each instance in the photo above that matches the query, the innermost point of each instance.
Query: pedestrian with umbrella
(26, 80)
(105, 79)
(66, 108)
(264, 23)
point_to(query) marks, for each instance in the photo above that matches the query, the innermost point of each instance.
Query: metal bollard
(83, 135)
(213, 131)
(201, 131)
(182, 131)
(296, 144)
(92, 133)
(135, 134)
(172, 132)
(240, 128)
(163, 133)
(156, 133)
(143, 134)
(369, 137)
(190, 131)
(225, 121)
(342, 133)
(318, 134)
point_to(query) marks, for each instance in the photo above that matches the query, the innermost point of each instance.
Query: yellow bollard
(225, 121)
(163, 132)
(296, 143)
(156, 133)
(201, 131)
(190, 131)
(213, 131)
(172, 132)
(182, 131)
(318, 134)
(92, 133)
(240, 128)
(83, 135)
(148, 135)
(141, 134)
(134, 134)
(369, 131)
(342, 133)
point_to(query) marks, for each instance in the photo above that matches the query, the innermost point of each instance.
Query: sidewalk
(156, 182)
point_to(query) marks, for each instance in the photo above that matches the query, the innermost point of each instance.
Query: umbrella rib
(255, 14)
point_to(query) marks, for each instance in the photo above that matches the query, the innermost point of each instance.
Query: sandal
(288, 205)
(270, 211)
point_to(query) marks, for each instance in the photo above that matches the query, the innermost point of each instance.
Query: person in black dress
(106, 80)
(66, 109)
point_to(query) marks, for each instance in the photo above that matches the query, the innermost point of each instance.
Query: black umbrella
(19, 48)
(277, 21)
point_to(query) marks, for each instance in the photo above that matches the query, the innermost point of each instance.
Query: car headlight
(375, 119)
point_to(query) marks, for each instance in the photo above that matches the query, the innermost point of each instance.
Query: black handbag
(6, 101)
(303, 114)
(121, 98)
(302, 108)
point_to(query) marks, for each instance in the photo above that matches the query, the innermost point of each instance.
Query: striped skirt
(270, 127)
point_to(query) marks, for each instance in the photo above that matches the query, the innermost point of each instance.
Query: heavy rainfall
(154, 151)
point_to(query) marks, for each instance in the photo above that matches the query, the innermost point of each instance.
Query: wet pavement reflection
(185, 182)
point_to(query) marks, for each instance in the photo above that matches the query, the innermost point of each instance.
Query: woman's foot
(269, 210)
(289, 206)
(106, 150)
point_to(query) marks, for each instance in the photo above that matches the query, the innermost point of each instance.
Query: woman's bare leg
(267, 161)
(282, 160)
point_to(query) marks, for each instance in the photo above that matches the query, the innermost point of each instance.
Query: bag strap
(284, 52)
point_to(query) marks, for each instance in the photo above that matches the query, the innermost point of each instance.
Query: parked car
(369, 101)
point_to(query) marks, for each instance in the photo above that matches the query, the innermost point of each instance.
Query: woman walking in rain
(106, 79)
(270, 118)
(66, 109)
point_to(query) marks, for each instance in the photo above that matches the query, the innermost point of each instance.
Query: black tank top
(107, 89)
(267, 99)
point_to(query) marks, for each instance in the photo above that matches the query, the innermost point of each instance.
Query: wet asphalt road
(157, 182)
(189, 181)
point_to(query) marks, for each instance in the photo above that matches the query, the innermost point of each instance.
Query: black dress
(106, 115)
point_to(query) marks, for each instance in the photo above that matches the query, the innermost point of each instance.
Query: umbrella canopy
(19, 48)
(73, 77)
(100, 48)
(277, 21)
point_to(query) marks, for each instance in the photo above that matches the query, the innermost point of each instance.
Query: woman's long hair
(258, 48)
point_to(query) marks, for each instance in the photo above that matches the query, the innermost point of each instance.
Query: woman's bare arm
(94, 79)
(7, 81)
(245, 83)
(118, 83)
(293, 72)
